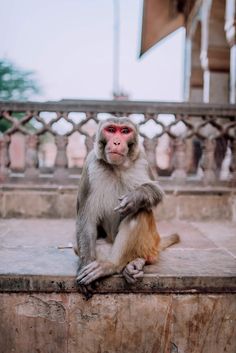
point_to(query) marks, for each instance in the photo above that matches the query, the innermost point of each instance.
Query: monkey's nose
(116, 143)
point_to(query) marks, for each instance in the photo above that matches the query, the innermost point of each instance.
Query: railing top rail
(125, 107)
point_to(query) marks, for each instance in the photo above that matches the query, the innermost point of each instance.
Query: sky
(69, 46)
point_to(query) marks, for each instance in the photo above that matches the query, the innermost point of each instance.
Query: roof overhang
(160, 18)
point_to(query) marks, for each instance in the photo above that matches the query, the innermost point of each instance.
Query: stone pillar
(230, 28)
(193, 81)
(61, 163)
(187, 67)
(208, 163)
(196, 78)
(4, 158)
(215, 54)
(194, 72)
(179, 173)
(150, 145)
(215, 60)
(32, 171)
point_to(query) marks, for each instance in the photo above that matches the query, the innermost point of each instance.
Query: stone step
(33, 249)
(185, 303)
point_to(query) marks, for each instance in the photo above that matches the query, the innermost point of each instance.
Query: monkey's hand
(95, 270)
(132, 202)
(145, 197)
(134, 270)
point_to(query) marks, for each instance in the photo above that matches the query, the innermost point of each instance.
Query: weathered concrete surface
(222, 235)
(183, 203)
(184, 304)
(31, 258)
(118, 323)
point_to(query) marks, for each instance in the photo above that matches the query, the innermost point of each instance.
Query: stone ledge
(169, 187)
(34, 258)
(149, 284)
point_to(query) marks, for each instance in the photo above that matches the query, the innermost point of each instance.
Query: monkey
(116, 200)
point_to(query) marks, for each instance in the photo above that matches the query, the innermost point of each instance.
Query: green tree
(15, 84)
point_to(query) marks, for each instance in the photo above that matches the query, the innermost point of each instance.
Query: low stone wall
(185, 303)
(117, 323)
(183, 203)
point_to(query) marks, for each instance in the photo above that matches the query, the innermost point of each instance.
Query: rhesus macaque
(116, 198)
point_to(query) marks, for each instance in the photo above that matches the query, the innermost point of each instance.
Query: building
(210, 55)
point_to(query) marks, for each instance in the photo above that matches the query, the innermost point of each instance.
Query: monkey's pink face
(118, 138)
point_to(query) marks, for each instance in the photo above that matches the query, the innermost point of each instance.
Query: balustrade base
(183, 202)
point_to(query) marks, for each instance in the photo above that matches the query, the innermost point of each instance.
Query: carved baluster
(150, 149)
(208, 162)
(4, 158)
(61, 163)
(32, 157)
(179, 173)
(233, 162)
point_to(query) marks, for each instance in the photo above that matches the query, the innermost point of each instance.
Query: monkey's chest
(106, 189)
(104, 199)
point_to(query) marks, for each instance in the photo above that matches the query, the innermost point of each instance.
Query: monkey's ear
(99, 148)
(134, 148)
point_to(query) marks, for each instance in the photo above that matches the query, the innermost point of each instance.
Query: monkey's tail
(169, 240)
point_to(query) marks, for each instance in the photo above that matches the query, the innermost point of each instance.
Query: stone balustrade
(185, 302)
(185, 143)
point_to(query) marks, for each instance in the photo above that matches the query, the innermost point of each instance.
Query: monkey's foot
(134, 270)
(95, 270)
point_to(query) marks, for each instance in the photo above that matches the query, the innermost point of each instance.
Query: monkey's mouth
(116, 154)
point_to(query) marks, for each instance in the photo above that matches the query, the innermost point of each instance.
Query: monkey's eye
(125, 130)
(111, 129)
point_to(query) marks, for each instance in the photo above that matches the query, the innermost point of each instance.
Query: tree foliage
(15, 83)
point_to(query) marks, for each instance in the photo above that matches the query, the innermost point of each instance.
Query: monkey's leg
(120, 254)
(134, 269)
(146, 246)
(136, 241)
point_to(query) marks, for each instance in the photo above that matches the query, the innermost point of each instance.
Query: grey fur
(100, 188)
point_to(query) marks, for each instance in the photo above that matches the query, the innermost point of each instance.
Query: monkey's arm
(86, 240)
(145, 196)
(86, 230)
